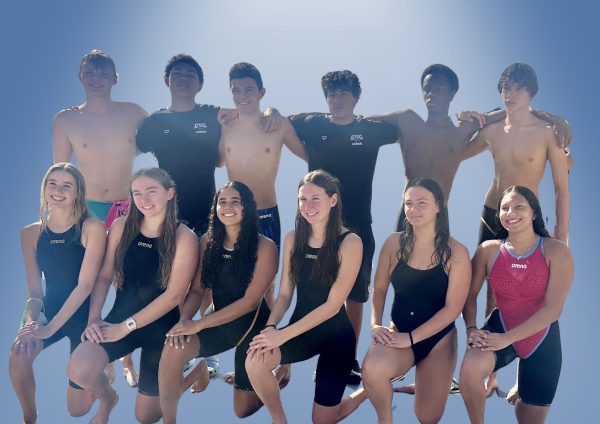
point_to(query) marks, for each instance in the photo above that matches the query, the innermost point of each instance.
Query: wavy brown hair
(246, 245)
(327, 263)
(442, 251)
(168, 233)
(79, 212)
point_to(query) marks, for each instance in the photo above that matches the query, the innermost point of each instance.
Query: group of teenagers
(194, 267)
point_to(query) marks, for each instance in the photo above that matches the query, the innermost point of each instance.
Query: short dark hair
(521, 74)
(97, 58)
(341, 80)
(246, 70)
(183, 58)
(439, 69)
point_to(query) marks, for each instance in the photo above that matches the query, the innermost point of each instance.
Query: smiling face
(97, 79)
(314, 204)
(246, 94)
(230, 210)
(515, 213)
(184, 80)
(420, 206)
(60, 190)
(150, 197)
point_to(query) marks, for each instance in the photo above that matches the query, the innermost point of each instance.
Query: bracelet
(469, 327)
(412, 343)
(271, 325)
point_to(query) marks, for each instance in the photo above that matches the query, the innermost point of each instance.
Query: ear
(261, 92)
(170, 193)
(199, 87)
(452, 94)
(115, 79)
(334, 200)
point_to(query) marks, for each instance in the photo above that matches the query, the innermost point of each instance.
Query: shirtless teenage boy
(101, 135)
(520, 146)
(346, 146)
(252, 155)
(434, 148)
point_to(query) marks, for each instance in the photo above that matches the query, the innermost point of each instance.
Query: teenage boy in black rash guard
(346, 146)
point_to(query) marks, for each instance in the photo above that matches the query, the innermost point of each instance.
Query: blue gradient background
(388, 44)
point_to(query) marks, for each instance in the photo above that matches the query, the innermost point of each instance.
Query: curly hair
(246, 245)
(168, 234)
(341, 80)
(442, 252)
(183, 58)
(538, 219)
(327, 264)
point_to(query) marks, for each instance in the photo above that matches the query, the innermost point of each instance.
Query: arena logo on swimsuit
(309, 256)
(61, 241)
(519, 266)
(146, 245)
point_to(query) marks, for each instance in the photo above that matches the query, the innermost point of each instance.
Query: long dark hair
(538, 219)
(246, 245)
(442, 252)
(327, 263)
(168, 232)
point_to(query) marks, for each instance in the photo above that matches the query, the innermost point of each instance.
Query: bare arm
(479, 265)
(292, 142)
(350, 258)
(196, 293)
(459, 278)
(94, 240)
(560, 127)
(400, 118)
(29, 238)
(286, 287)
(182, 273)
(382, 279)
(62, 150)
(561, 277)
(475, 146)
(221, 161)
(559, 166)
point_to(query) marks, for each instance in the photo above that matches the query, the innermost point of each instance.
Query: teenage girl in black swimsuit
(430, 273)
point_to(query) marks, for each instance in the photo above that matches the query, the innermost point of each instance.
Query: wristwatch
(131, 324)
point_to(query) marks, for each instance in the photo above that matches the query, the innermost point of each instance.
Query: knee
(243, 411)
(78, 410)
(146, 417)
(373, 371)
(18, 362)
(473, 367)
(254, 365)
(428, 417)
(78, 372)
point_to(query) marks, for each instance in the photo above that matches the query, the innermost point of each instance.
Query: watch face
(131, 324)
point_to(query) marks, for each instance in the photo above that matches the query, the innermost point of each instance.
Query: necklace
(519, 257)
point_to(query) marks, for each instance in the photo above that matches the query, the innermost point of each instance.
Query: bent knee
(374, 371)
(78, 410)
(428, 417)
(244, 411)
(476, 366)
(147, 417)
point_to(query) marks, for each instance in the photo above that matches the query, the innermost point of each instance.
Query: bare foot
(409, 389)
(283, 374)
(513, 395)
(105, 408)
(110, 373)
(131, 376)
(199, 375)
(491, 386)
(229, 378)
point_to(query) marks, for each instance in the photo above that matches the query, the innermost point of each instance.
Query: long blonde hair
(79, 211)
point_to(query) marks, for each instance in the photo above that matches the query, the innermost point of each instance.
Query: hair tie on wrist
(271, 325)
(471, 326)
(412, 343)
